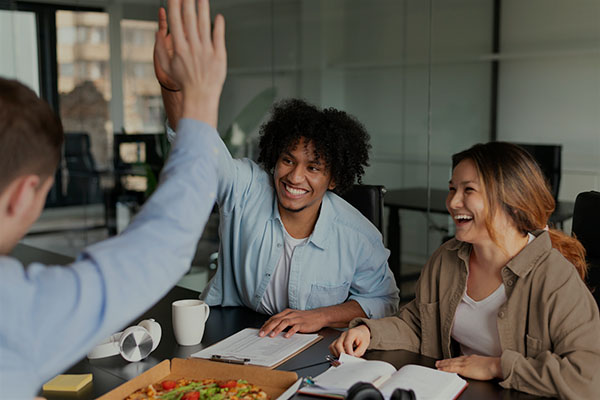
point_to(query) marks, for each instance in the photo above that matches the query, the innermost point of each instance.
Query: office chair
(368, 199)
(549, 159)
(586, 223)
(83, 186)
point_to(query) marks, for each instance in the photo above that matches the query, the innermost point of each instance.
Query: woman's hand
(353, 342)
(474, 366)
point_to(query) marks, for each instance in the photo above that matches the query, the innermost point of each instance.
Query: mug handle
(207, 311)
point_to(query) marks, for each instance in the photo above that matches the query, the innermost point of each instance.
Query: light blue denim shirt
(344, 258)
(52, 316)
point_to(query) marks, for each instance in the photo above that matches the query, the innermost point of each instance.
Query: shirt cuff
(508, 359)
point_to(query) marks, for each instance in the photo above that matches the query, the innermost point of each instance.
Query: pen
(229, 360)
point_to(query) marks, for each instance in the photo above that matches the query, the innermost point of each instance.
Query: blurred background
(426, 78)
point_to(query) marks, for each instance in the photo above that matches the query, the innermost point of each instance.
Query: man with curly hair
(290, 246)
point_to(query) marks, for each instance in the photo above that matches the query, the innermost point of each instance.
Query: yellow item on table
(67, 383)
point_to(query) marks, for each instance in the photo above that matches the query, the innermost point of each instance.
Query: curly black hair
(339, 139)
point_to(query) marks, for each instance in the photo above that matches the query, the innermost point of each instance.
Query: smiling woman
(506, 297)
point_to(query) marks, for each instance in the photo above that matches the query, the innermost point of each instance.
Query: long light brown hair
(513, 181)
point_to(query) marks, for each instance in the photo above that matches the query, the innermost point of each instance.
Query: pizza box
(272, 382)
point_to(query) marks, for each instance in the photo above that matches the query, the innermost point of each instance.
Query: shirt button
(501, 314)
(268, 274)
(510, 282)
(278, 244)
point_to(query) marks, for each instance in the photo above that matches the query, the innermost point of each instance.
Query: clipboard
(246, 347)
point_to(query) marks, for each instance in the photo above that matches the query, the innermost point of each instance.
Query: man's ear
(331, 185)
(23, 194)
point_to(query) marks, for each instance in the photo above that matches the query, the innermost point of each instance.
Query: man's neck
(299, 224)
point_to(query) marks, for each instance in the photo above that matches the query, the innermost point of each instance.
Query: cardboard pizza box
(272, 382)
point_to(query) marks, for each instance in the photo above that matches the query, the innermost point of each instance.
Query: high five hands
(190, 59)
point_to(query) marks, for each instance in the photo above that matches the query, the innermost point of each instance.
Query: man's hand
(336, 316)
(353, 342)
(474, 366)
(191, 59)
(296, 320)
(167, 41)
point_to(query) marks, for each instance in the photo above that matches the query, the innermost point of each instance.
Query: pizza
(205, 389)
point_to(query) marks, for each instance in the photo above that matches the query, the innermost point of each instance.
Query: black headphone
(366, 391)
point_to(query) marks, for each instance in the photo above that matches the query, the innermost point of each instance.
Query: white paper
(354, 370)
(264, 351)
(427, 383)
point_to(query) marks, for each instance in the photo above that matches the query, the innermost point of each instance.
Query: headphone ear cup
(135, 343)
(403, 394)
(363, 391)
(154, 330)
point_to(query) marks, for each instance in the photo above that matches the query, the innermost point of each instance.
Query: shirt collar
(325, 221)
(529, 257)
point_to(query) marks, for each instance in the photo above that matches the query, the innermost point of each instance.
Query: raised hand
(167, 42)
(191, 59)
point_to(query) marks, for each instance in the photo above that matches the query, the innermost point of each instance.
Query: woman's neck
(490, 255)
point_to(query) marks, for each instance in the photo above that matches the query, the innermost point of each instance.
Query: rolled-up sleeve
(373, 286)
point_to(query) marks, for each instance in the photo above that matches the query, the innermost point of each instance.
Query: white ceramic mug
(189, 318)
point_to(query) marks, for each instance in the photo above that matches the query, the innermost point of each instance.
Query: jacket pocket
(430, 329)
(327, 295)
(533, 346)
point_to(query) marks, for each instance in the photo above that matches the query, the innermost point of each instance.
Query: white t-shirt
(475, 325)
(275, 298)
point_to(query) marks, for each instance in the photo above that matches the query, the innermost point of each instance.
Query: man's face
(300, 179)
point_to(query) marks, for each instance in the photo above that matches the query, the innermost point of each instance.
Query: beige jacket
(549, 327)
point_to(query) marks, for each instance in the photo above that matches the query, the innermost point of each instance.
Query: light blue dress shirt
(52, 316)
(344, 258)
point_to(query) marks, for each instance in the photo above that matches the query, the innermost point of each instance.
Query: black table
(416, 199)
(225, 321)
(110, 372)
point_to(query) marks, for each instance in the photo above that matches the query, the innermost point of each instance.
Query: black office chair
(83, 186)
(368, 199)
(549, 159)
(586, 220)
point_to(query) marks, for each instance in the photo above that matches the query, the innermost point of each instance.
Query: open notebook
(427, 383)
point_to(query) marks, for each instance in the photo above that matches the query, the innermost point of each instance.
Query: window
(19, 47)
(84, 79)
(141, 92)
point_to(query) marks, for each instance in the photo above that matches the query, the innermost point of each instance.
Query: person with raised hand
(290, 247)
(53, 315)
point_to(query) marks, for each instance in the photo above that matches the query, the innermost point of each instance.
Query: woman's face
(466, 205)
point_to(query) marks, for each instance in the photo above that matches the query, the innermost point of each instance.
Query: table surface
(110, 372)
(225, 321)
